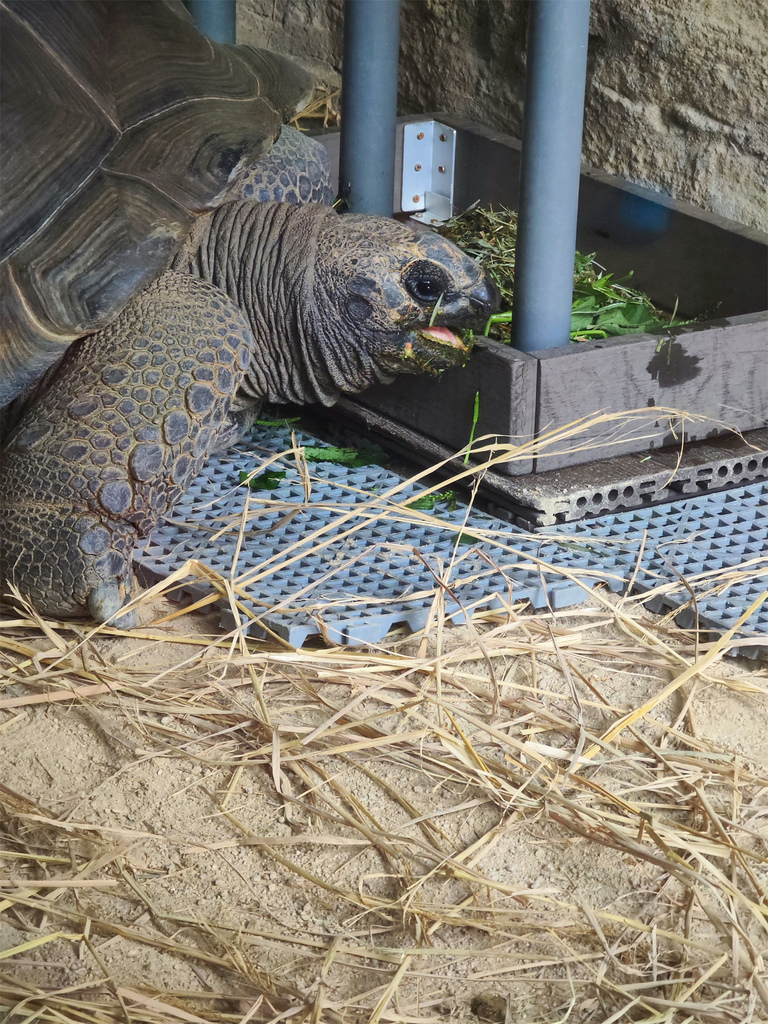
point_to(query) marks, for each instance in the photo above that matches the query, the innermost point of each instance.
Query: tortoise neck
(262, 255)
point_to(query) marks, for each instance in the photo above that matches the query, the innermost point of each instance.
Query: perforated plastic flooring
(352, 560)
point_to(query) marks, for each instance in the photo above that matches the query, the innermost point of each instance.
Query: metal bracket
(429, 157)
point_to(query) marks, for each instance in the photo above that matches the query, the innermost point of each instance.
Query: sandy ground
(450, 826)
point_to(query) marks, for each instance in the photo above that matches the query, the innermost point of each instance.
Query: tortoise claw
(105, 602)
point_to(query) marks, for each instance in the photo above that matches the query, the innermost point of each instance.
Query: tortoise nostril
(485, 296)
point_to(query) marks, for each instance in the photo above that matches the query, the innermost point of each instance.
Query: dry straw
(394, 792)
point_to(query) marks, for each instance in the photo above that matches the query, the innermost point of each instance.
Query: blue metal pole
(217, 18)
(369, 105)
(558, 32)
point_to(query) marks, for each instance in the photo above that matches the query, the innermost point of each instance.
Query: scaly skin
(327, 296)
(297, 171)
(128, 421)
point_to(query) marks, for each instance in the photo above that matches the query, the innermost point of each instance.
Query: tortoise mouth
(434, 349)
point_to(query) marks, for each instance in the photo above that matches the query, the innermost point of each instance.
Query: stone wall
(677, 93)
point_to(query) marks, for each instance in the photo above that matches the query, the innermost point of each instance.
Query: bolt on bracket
(429, 157)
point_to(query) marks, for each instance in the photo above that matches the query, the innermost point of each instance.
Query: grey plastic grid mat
(717, 542)
(352, 561)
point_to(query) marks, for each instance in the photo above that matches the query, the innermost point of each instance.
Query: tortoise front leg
(107, 449)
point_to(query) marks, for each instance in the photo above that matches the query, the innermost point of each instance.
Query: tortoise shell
(120, 123)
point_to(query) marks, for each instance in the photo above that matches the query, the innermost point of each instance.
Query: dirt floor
(539, 817)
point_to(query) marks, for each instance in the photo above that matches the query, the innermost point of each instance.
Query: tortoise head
(391, 297)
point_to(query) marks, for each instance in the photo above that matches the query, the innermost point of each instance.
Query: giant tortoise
(166, 264)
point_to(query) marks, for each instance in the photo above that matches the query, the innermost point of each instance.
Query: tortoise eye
(426, 281)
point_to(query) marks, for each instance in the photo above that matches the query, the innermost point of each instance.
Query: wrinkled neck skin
(263, 255)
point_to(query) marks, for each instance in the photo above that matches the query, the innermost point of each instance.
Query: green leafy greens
(267, 481)
(602, 307)
(355, 458)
